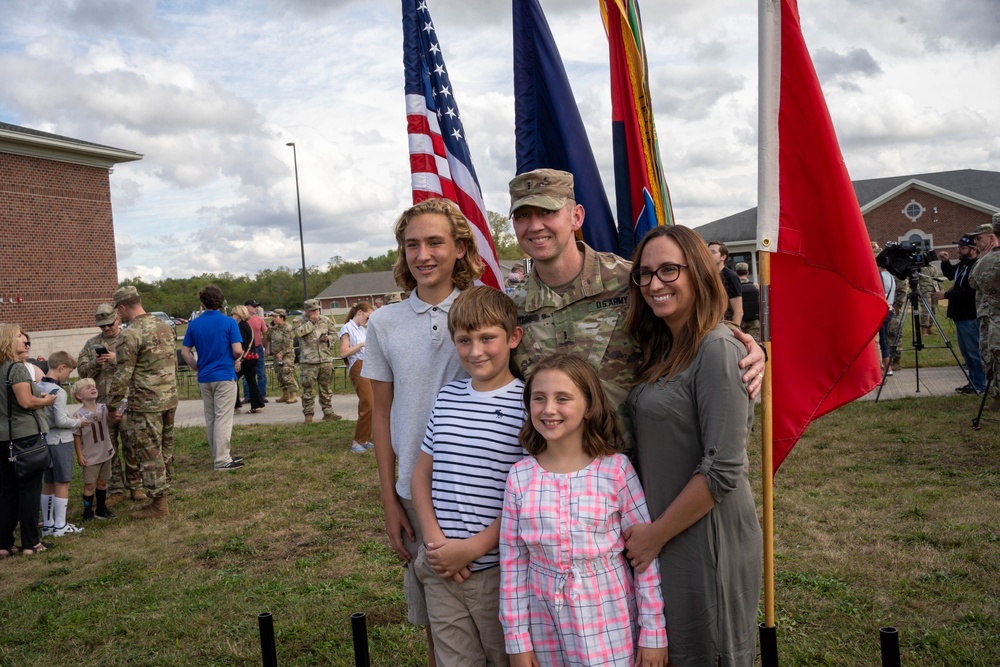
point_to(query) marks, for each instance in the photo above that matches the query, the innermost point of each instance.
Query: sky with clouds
(210, 91)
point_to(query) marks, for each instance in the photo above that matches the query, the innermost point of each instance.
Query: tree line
(282, 287)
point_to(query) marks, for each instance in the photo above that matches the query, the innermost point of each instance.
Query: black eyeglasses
(106, 326)
(667, 273)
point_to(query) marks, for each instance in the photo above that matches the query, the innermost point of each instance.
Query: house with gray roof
(933, 209)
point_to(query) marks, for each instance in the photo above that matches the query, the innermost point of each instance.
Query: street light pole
(302, 243)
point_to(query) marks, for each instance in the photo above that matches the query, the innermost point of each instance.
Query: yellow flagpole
(767, 434)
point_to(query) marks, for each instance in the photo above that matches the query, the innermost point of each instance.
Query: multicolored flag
(825, 294)
(547, 123)
(641, 191)
(440, 164)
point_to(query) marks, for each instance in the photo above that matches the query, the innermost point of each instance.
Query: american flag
(440, 164)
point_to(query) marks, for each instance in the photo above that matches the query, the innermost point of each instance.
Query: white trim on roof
(63, 150)
(930, 189)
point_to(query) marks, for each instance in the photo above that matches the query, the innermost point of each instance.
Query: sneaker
(967, 389)
(237, 459)
(68, 529)
(108, 514)
(48, 530)
(232, 465)
(358, 448)
(369, 445)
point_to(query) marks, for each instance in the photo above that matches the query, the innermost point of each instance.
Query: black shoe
(237, 459)
(107, 514)
(232, 465)
(265, 400)
(967, 389)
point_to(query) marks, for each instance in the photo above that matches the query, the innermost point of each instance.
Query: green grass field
(885, 515)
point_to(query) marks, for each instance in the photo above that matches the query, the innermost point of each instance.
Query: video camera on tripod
(901, 258)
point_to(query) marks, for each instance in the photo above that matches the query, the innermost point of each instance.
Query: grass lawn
(885, 515)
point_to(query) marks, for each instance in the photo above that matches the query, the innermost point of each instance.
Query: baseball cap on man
(985, 228)
(545, 188)
(105, 314)
(311, 304)
(251, 302)
(125, 293)
(966, 240)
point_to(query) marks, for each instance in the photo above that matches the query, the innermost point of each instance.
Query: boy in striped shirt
(459, 479)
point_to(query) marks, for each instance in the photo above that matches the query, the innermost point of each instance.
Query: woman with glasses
(34, 371)
(20, 497)
(692, 416)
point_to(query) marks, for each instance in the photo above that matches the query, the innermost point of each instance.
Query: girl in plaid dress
(567, 595)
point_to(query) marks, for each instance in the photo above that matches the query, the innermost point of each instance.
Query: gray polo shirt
(409, 345)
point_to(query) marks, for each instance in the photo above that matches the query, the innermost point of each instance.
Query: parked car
(179, 320)
(166, 318)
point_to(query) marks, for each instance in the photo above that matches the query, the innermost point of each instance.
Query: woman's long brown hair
(662, 356)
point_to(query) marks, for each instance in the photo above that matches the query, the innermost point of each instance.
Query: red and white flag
(826, 300)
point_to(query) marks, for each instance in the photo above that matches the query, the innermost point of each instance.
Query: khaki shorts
(416, 603)
(465, 617)
(98, 471)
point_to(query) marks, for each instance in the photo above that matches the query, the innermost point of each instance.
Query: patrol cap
(125, 293)
(281, 312)
(985, 228)
(393, 297)
(966, 240)
(106, 314)
(311, 304)
(545, 188)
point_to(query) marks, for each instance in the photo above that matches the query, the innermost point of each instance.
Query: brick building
(57, 239)
(933, 209)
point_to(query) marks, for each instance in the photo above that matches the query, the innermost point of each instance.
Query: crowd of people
(562, 469)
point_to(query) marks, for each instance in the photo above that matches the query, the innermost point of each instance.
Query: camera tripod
(913, 299)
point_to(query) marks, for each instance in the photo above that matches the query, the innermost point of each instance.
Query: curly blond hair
(467, 268)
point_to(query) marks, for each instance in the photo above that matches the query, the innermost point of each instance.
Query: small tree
(503, 236)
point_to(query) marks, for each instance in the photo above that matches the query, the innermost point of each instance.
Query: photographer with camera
(985, 278)
(962, 310)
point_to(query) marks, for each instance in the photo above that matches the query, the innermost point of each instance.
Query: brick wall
(888, 223)
(57, 243)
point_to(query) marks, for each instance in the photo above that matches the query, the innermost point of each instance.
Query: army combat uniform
(147, 377)
(87, 367)
(281, 340)
(986, 279)
(898, 305)
(588, 320)
(316, 365)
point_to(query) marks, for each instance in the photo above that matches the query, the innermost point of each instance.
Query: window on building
(913, 210)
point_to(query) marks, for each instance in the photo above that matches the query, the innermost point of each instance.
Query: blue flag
(548, 126)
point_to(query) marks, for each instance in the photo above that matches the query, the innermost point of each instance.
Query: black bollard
(267, 650)
(768, 646)
(360, 630)
(889, 638)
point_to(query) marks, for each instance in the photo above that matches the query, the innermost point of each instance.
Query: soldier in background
(927, 285)
(986, 279)
(100, 366)
(316, 336)
(898, 306)
(751, 302)
(147, 378)
(280, 343)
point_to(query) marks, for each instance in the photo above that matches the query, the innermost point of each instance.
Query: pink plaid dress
(566, 590)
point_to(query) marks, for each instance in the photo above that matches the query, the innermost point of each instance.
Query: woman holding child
(21, 418)
(692, 416)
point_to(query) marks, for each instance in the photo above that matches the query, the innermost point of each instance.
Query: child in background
(567, 595)
(458, 482)
(94, 450)
(55, 483)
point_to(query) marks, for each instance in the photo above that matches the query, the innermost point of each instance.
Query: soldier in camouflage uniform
(316, 335)
(279, 341)
(927, 285)
(575, 299)
(751, 302)
(147, 377)
(101, 368)
(985, 279)
(898, 306)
